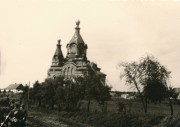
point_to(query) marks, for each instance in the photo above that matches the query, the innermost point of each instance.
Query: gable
(13, 86)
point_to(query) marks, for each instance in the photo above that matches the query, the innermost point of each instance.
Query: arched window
(64, 72)
(72, 71)
(73, 48)
(69, 71)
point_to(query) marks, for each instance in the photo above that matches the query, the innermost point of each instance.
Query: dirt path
(38, 119)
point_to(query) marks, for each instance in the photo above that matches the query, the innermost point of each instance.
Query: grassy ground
(39, 118)
(158, 116)
(133, 116)
(83, 119)
(134, 106)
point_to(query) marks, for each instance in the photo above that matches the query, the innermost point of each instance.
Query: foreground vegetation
(109, 119)
(119, 113)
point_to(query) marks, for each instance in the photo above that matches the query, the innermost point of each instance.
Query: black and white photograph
(89, 63)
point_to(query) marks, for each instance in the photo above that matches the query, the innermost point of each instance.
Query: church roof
(99, 73)
(95, 69)
(58, 58)
(58, 51)
(77, 39)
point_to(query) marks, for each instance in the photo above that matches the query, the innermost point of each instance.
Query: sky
(114, 30)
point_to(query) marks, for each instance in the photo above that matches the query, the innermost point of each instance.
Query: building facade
(75, 63)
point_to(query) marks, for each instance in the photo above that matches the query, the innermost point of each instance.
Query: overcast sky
(114, 30)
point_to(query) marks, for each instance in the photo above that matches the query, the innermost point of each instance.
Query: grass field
(133, 116)
(109, 119)
(135, 106)
(158, 116)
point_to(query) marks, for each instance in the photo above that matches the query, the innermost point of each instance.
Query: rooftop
(13, 86)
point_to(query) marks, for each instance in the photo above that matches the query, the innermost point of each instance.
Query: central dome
(76, 48)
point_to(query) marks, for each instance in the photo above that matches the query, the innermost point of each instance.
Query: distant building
(127, 96)
(75, 63)
(113, 93)
(123, 95)
(15, 88)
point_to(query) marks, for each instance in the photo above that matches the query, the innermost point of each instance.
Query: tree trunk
(171, 106)
(145, 110)
(105, 108)
(141, 96)
(88, 105)
(102, 107)
(39, 102)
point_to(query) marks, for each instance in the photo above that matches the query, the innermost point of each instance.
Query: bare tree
(150, 78)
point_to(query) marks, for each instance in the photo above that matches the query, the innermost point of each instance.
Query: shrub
(121, 105)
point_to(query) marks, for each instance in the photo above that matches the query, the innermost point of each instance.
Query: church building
(75, 63)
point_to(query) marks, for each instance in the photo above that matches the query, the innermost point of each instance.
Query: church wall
(54, 72)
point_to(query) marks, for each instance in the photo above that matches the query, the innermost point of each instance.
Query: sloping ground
(170, 121)
(115, 119)
(79, 119)
(43, 118)
(39, 119)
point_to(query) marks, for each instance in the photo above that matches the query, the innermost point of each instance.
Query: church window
(73, 48)
(72, 71)
(65, 71)
(69, 71)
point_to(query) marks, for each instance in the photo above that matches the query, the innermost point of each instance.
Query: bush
(121, 105)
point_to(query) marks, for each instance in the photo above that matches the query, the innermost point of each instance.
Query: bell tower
(76, 48)
(58, 58)
(57, 62)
